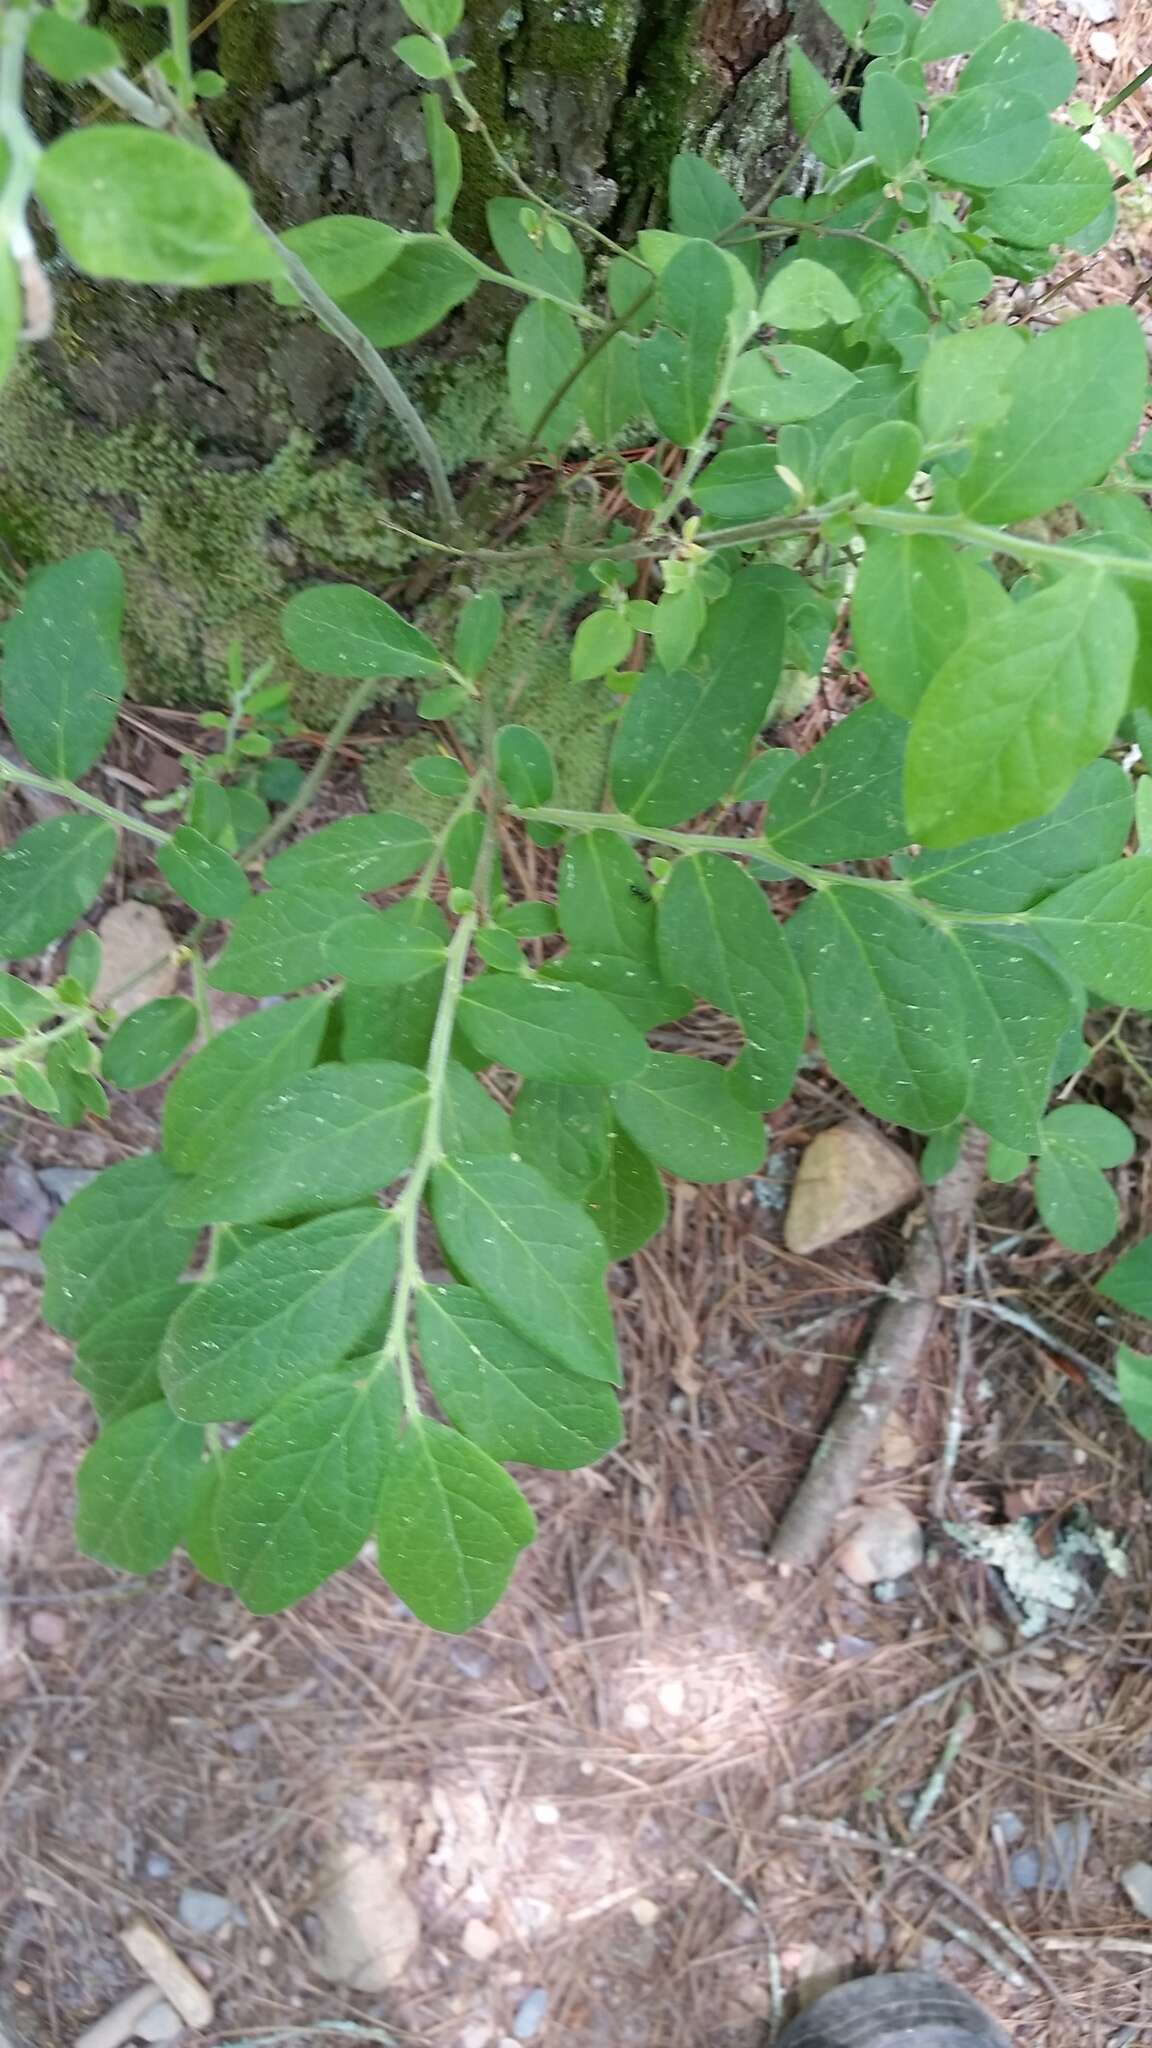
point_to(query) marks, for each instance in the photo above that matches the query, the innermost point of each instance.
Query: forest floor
(664, 1785)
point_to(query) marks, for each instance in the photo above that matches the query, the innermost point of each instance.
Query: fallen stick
(902, 1331)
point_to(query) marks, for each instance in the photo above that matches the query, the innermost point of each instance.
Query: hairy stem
(9, 772)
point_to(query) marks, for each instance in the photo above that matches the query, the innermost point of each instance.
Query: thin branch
(353, 709)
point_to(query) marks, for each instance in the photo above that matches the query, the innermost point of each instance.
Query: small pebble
(470, 1659)
(545, 1814)
(203, 1912)
(244, 1739)
(645, 1912)
(24, 1205)
(478, 2035)
(1010, 1827)
(1137, 1882)
(1057, 1864)
(672, 1695)
(161, 2023)
(530, 2014)
(479, 1940)
(156, 1864)
(1104, 46)
(637, 1715)
(65, 1181)
(49, 1630)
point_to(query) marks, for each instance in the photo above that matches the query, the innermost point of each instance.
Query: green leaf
(718, 936)
(298, 1496)
(149, 1041)
(843, 800)
(786, 382)
(634, 986)
(1019, 54)
(389, 1023)
(11, 315)
(602, 641)
(532, 1253)
(551, 1032)
(1101, 926)
(48, 878)
(965, 283)
(604, 896)
(966, 381)
(336, 629)
(627, 1202)
(440, 775)
(685, 1114)
(1012, 870)
(609, 392)
(118, 1356)
(680, 365)
(1008, 721)
(889, 120)
(70, 50)
(284, 1312)
(742, 484)
(887, 998)
(424, 281)
(677, 624)
(802, 294)
(113, 1231)
(199, 1537)
(63, 675)
(953, 26)
(684, 738)
(536, 247)
(524, 765)
(478, 631)
(985, 137)
(289, 937)
(543, 351)
(504, 1394)
(325, 1140)
(345, 253)
(136, 1487)
(424, 58)
(1076, 1202)
(885, 461)
(251, 1061)
(909, 612)
(1134, 1384)
(1040, 452)
(202, 874)
(147, 208)
(21, 1006)
(452, 1524)
(1129, 1282)
(1016, 1012)
(941, 1154)
(1066, 191)
(821, 125)
(361, 854)
(848, 15)
(702, 203)
(438, 17)
(564, 1132)
(471, 1122)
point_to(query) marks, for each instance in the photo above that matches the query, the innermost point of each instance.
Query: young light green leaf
(1016, 1011)
(1007, 723)
(361, 854)
(941, 1154)
(786, 382)
(48, 878)
(1066, 190)
(1020, 54)
(440, 775)
(885, 461)
(887, 999)
(149, 1041)
(909, 613)
(843, 800)
(718, 936)
(504, 1394)
(119, 1227)
(848, 15)
(203, 875)
(63, 674)
(424, 280)
(22, 1007)
(800, 294)
(551, 1031)
(543, 353)
(336, 629)
(298, 1495)
(1076, 1202)
(147, 208)
(536, 247)
(1012, 870)
(685, 1114)
(478, 631)
(135, 1488)
(677, 624)
(344, 252)
(284, 1312)
(627, 1203)
(452, 1524)
(889, 120)
(953, 26)
(438, 17)
(986, 137)
(250, 1061)
(1038, 453)
(1134, 1385)
(326, 1139)
(684, 738)
(289, 937)
(532, 1253)
(564, 1132)
(118, 1356)
(1101, 926)
(602, 641)
(425, 58)
(821, 124)
(70, 50)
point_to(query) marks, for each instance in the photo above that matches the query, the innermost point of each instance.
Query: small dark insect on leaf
(634, 889)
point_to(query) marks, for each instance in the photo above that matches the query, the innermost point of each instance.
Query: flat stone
(531, 2013)
(1137, 1882)
(848, 1178)
(161, 2023)
(47, 1629)
(203, 1912)
(1057, 1863)
(24, 1203)
(62, 1182)
(369, 1929)
(479, 1940)
(884, 1543)
(135, 938)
